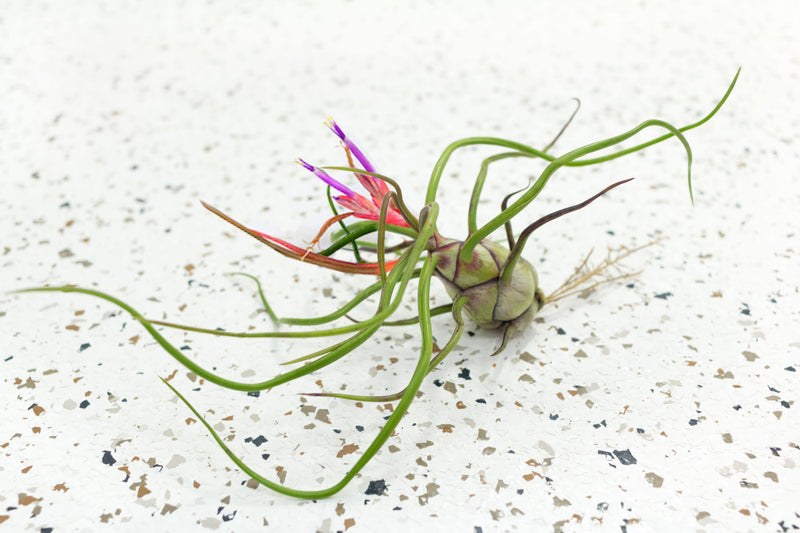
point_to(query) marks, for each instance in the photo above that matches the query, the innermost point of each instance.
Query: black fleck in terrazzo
(118, 121)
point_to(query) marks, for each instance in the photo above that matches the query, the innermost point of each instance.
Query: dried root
(587, 278)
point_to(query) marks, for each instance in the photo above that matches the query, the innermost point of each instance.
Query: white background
(117, 118)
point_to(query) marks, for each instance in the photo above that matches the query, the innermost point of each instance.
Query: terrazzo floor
(663, 402)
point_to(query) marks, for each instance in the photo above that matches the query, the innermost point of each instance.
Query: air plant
(490, 283)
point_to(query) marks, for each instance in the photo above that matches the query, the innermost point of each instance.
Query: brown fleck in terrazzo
(25, 499)
(347, 449)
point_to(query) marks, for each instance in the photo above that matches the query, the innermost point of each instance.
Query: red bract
(295, 252)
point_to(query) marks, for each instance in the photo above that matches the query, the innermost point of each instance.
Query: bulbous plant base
(491, 301)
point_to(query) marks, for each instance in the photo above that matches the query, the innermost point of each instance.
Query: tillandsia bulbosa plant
(490, 283)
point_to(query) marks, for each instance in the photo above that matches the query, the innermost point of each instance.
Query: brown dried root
(597, 275)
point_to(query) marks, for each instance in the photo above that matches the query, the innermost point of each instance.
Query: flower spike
(360, 206)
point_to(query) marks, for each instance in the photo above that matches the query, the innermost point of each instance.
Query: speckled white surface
(667, 405)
